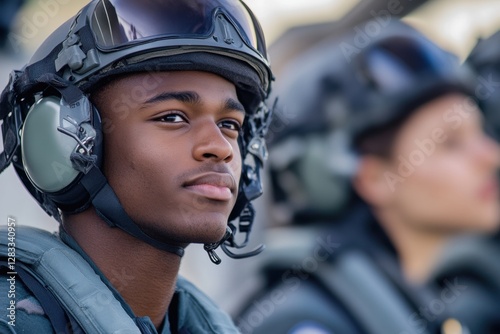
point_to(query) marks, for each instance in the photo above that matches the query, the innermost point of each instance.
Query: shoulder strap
(472, 255)
(71, 280)
(369, 296)
(54, 311)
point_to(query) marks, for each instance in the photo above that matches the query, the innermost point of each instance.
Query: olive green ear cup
(45, 150)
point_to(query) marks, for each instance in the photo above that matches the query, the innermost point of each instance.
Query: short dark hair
(380, 141)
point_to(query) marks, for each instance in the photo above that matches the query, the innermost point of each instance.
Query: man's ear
(370, 181)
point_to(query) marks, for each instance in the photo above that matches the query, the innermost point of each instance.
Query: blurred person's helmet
(53, 134)
(485, 60)
(333, 96)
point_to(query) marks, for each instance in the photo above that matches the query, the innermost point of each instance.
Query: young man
(385, 162)
(139, 125)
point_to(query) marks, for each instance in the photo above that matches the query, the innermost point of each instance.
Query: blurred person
(474, 259)
(383, 161)
(139, 126)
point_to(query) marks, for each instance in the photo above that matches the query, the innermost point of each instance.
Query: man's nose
(210, 142)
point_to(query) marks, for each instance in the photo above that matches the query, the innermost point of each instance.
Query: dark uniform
(367, 286)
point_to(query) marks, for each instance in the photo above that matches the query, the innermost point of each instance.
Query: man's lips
(213, 185)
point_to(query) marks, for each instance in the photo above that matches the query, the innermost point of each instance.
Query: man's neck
(143, 275)
(418, 249)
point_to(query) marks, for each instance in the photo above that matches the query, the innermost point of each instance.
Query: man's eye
(230, 125)
(171, 118)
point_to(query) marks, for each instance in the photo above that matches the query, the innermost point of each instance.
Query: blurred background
(291, 26)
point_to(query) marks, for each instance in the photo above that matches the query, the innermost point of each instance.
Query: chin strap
(108, 207)
(211, 247)
(245, 226)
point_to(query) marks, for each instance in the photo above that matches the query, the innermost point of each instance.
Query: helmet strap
(108, 207)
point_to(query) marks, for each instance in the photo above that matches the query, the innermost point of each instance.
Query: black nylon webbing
(108, 207)
(54, 311)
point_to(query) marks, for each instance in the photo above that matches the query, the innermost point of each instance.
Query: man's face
(448, 168)
(171, 152)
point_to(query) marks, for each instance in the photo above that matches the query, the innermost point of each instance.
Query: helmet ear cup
(45, 150)
(52, 132)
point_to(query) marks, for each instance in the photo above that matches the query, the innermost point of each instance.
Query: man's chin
(215, 235)
(201, 230)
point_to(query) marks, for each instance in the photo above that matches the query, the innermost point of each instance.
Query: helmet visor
(120, 23)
